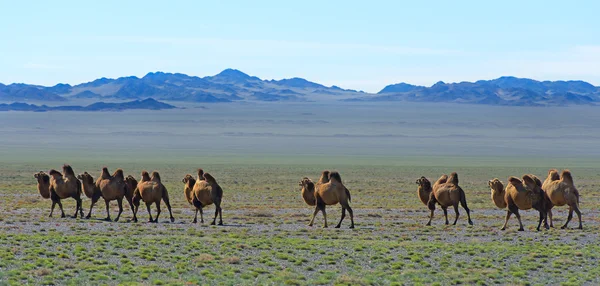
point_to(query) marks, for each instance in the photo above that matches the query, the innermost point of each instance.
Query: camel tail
(348, 194)
(566, 176)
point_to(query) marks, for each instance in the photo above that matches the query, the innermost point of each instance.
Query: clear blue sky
(353, 44)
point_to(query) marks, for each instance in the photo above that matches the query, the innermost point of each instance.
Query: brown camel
(90, 189)
(131, 183)
(523, 195)
(207, 191)
(552, 176)
(112, 187)
(188, 185)
(332, 192)
(563, 192)
(43, 184)
(62, 187)
(308, 191)
(445, 192)
(151, 190)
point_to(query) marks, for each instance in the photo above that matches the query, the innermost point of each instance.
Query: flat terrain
(258, 154)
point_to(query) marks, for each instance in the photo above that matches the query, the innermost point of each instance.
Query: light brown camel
(207, 192)
(330, 193)
(188, 188)
(112, 187)
(445, 192)
(62, 187)
(563, 192)
(308, 191)
(43, 184)
(90, 189)
(525, 194)
(498, 193)
(552, 176)
(151, 190)
(424, 189)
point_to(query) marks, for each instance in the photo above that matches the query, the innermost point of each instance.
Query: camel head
(201, 174)
(189, 180)
(131, 182)
(496, 186)
(86, 178)
(424, 183)
(68, 170)
(307, 183)
(145, 176)
(54, 173)
(41, 177)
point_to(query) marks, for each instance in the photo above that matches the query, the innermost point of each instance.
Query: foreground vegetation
(265, 239)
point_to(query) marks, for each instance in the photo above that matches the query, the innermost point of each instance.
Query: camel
(131, 183)
(498, 193)
(43, 184)
(308, 191)
(424, 189)
(90, 189)
(151, 190)
(330, 191)
(445, 192)
(62, 187)
(552, 176)
(112, 187)
(562, 192)
(188, 185)
(207, 191)
(523, 195)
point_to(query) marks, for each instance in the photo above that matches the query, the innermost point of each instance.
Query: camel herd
(519, 194)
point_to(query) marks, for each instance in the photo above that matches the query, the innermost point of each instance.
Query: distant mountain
(501, 91)
(148, 103)
(233, 85)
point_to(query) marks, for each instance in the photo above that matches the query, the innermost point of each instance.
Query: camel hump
(515, 181)
(566, 177)
(324, 177)
(537, 180)
(453, 178)
(119, 174)
(209, 178)
(54, 172)
(105, 173)
(529, 181)
(145, 176)
(68, 170)
(442, 180)
(336, 176)
(200, 174)
(155, 177)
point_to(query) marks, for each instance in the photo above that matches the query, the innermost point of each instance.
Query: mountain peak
(232, 73)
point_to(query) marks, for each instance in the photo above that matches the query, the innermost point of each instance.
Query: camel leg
(217, 212)
(463, 203)
(149, 213)
(342, 218)
(540, 221)
(135, 210)
(430, 218)
(157, 211)
(550, 218)
(220, 215)
(78, 200)
(431, 206)
(508, 213)
(201, 215)
(351, 213)
(324, 216)
(95, 199)
(568, 218)
(195, 216)
(445, 209)
(130, 201)
(457, 213)
(120, 203)
(62, 215)
(106, 202)
(317, 209)
(578, 212)
(519, 218)
(52, 209)
(166, 199)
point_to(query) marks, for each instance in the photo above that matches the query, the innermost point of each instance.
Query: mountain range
(233, 85)
(148, 103)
